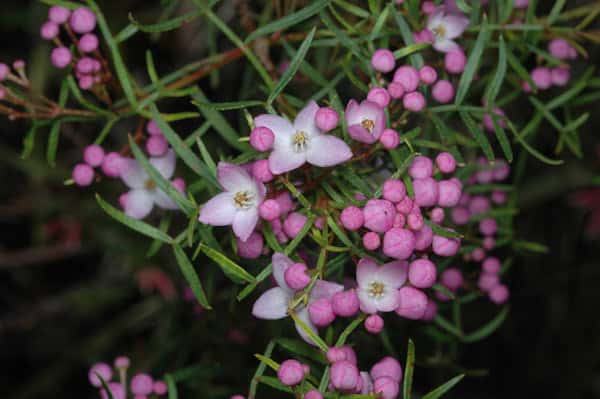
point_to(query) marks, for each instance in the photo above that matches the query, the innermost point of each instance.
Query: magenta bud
(82, 20)
(157, 145)
(102, 369)
(251, 248)
(152, 128)
(398, 243)
(335, 354)
(387, 367)
(285, 202)
(408, 77)
(112, 164)
(394, 190)
(420, 167)
(321, 312)
(262, 138)
(422, 273)
(477, 255)
(489, 243)
(122, 362)
(559, 48)
(428, 75)
(379, 96)
(443, 91)
(371, 241)
(379, 215)
(396, 90)
(269, 210)
(293, 223)
(327, 119)
(430, 311)
(487, 281)
(58, 15)
(399, 220)
(448, 193)
(542, 77)
(116, 390)
(159, 388)
(437, 215)
(389, 139)
(560, 76)
(344, 376)
(426, 192)
(386, 387)
(499, 294)
(423, 238)
(445, 246)
(488, 226)
(345, 303)
(445, 162)
(4, 71)
(60, 57)
(290, 372)
(93, 155)
(88, 43)
(261, 171)
(413, 303)
(313, 394)
(296, 276)
(142, 384)
(86, 82)
(414, 101)
(455, 61)
(478, 204)
(374, 324)
(491, 265)
(405, 205)
(415, 221)
(452, 278)
(49, 30)
(383, 60)
(83, 174)
(352, 218)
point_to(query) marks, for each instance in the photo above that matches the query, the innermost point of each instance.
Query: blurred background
(76, 287)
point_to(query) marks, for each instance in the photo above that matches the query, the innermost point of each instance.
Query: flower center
(368, 124)
(377, 289)
(150, 185)
(243, 199)
(300, 141)
(439, 31)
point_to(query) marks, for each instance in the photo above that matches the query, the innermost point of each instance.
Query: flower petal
(276, 123)
(445, 45)
(165, 164)
(455, 25)
(138, 203)
(388, 302)
(283, 159)
(367, 303)
(359, 133)
(305, 120)
(161, 199)
(272, 304)
(303, 315)
(324, 289)
(219, 210)
(393, 274)
(132, 174)
(245, 222)
(435, 19)
(366, 270)
(326, 150)
(233, 178)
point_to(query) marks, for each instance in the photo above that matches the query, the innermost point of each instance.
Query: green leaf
(407, 36)
(496, 84)
(489, 328)
(472, 64)
(555, 12)
(442, 389)
(137, 225)
(227, 106)
(349, 329)
(53, 142)
(293, 67)
(501, 137)
(191, 276)
(442, 231)
(310, 333)
(411, 49)
(231, 269)
(478, 135)
(172, 387)
(530, 246)
(268, 361)
(29, 140)
(409, 370)
(301, 348)
(532, 150)
(260, 370)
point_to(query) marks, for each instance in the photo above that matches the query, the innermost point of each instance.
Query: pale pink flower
(378, 285)
(445, 27)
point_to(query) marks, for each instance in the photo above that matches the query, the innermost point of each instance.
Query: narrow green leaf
(479, 135)
(416, 59)
(191, 276)
(489, 328)
(442, 389)
(532, 150)
(409, 370)
(442, 231)
(229, 267)
(260, 370)
(172, 387)
(269, 362)
(501, 137)
(227, 106)
(496, 84)
(472, 64)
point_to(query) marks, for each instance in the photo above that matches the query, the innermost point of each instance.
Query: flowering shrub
(363, 183)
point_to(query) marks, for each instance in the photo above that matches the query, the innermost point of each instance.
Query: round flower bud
(389, 139)
(445, 162)
(371, 241)
(414, 101)
(448, 193)
(262, 138)
(293, 223)
(415, 221)
(478, 254)
(443, 91)
(349, 354)
(383, 60)
(424, 36)
(428, 75)
(313, 394)
(379, 96)
(321, 313)
(487, 281)
(122, 362)
(261, 171)
(498, 197)
(352, 218)
(102, 369)
(160, 388)
(428, 7)
(408, 77)
(394, 190)
(379, 215)
(86, 82)
(426, 192)
(542, 77)
(399, 220)
(491, 265)
(387, 367)
(285, 202)
(296, 276)
(489, 243)
(112, 164)
(478, 204)
(4, 71)
(157, 145)
(327, 119)
(460, 215)
(335, 354)
(405, 205)
(345, 303)
(499, 294)
(83, 20)
(430, 311)
(423, 238)
(269, 210)
(455, 61)
(58, 15)
(83, 174)
(142, 384)
(420, 167)
(290, 372)
(374, 324)
(93, 155)
(501, 171)
(88, 43)
(422, 273)
(398, 243)
(437, 215)
(559, 48)
(560, 76)
(488, 226)
(445, 246)
(117, 391)
(60, 57)
(49, 30)
(413, 303)
(344, 376)
(152, 128)
(396, 90)
(386, 387)
(452, 278)
(252, 248)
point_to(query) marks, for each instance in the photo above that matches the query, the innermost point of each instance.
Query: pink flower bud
(488, 226)
(452, 279)
(296, 276)
(122, 362)
(344, 376)
(455, 61)
(460, 215)
(379, 96)
(261, 171)
(422, 273)
(49, 30)
(60, 57)
(285, 202)
(448, 193)
(415, 221)
(488, 122)
(117, 391)
(160, 388)
(560, 76)
(251, 248)
(82, 20)
(345, 303)
(389, 139)
(142, 384)
(374, 324)
(443, 91)
(352, 218)
(4, 71)
(321, 313)
(499, 294)
(430, 311)
(408, 77)
(394, 190)
(428, 75)
(559, 48)
(112, 164)
(437, 215)
(491, 265)
(426, 192)
(383, 60)
(428, 7)
(487, 281)
(290, 372)
(152, 128)
(157, 145)
(335, 354)
(88, 43)
(498, 197)
(413, 303)
(424, 36)
(83, 174)
(387, 367)
(386, 387)
(542, 78)
(489, 243)
(269, 210)
(420, 167)
(405, 205)
(399, 220)
(293, 223)
(313, 394)
(102, 369)
(445, 162)
(423, 238)
(371, 241)
(58, 15)
(93, 155)
(501, 171)
(445, 246)
(396, 90)
(398, 243)
(262, 138)
(327, 119)
(414, 101)
(379, 215)
(478, 204)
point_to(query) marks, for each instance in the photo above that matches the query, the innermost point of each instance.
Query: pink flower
(302, 142)
(445, 27)
(144, 193)
(365, 121)
(238, 205)
(378, 285)
(273, 304)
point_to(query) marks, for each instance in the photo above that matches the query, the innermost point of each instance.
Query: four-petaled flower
(446, 26)
(302, 142)
(366, 121)
(378, 285)
(274, 303)
(238, 204)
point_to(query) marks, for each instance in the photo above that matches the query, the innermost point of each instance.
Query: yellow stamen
(368, 124)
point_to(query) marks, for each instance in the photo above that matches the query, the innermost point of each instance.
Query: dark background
(63, 309)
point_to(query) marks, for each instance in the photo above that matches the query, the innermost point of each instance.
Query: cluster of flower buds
(545, 77)
(142, 385)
